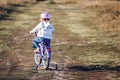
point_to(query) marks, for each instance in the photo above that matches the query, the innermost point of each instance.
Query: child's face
(41, 19)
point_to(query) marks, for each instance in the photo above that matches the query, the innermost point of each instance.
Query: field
(85, 45)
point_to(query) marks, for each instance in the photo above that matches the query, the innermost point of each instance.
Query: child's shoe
(35, 67)
(37, 50)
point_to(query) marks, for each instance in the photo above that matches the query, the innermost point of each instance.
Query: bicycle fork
(44, 56)
(42, 49)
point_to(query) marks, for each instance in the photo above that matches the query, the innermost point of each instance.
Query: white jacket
(44, 30)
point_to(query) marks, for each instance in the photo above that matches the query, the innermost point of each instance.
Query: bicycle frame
(43, 47)
(43, 56)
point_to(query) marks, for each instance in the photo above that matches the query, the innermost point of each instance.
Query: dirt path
(66, 41)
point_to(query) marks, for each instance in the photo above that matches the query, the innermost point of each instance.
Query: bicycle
(43, 57)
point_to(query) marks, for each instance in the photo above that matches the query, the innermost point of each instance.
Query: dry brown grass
(67, 1)
(5, 3)
(107, 14)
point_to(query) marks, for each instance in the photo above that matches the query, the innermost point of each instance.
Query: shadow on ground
(94, 68)
(6, 11)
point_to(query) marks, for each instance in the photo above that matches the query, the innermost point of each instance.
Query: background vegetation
(86, 43)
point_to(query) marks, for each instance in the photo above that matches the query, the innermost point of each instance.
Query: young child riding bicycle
(43, 32)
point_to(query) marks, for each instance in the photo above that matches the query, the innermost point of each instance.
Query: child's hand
(31, 32)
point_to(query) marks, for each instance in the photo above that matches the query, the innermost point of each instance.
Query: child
(43, 32)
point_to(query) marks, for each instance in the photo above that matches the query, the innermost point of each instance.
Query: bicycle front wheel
(37, 59)
(46, 59)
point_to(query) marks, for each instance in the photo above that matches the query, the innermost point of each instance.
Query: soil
(17, 63)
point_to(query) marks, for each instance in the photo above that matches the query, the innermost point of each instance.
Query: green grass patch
(3, 48)
(95, 54)
(51, 2)
(5, 33)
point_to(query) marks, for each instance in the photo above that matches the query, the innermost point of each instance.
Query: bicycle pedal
(41, 64)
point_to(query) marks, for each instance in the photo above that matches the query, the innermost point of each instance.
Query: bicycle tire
(46, 59)
(37, 58)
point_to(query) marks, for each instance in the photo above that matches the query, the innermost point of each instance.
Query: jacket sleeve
(53, 29)
(36, 28)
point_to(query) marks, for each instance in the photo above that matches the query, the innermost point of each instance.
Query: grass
(100, 48)
(7, 7)
(14, 46)
(51, 2)
(17, 75)
(107, 15)
(9, 29)
(86, 51)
